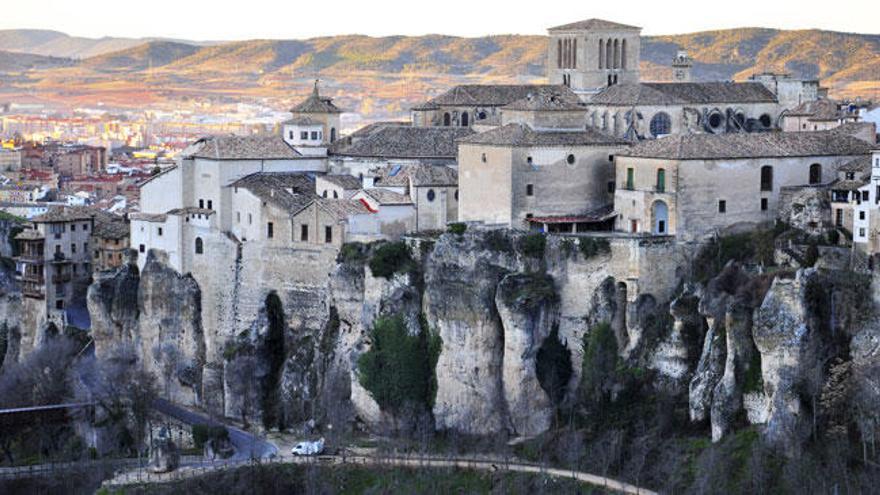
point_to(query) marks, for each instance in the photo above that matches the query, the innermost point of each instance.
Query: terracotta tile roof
(191, 210)
(342, 208)
(109, 226)
(547, 100)
(421, 175)
(490, 95)
(316, 103)
(66, 214)
(346, 182)
(748, 145)
(30, 235)
(397, 141)
(819, 110)
(523, 135)
(386, 197)
(860, 165)
(668, 93)
(593, 25)
(290, 191)
(260, 147)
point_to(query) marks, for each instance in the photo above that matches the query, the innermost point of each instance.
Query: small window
(766, 120)
(291, 135)
(270, 230)
(529, 160)
(815, 173)
(59, 304)
(73, 248)
(850, 176)
(611, 187)
(328, 234)
(570, 159)
(238, 217)
(210, 205)
(764, 204)
(303, 233)
(250, 219)
(73, 267)
(160, 230)
(722, 206)
(324, 194)
(431, 195)
(483, 158)
(611, 158)
(200, 246)
(861, 215)
(456, 194)
(142, 248)
(201, 203)
(73, 227)
(766, 178)
(661, 180)
(85, 227)
(304, 135)
(630, 173)
(530, 190)
(861, 232)
(335, 195)
(314, 135)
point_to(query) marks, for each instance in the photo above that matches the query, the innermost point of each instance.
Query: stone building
(845, 192)
(431, 189)
(540, 168)
(593, 54)
(337, 186)
(693, 185)
(314, 126)
(866, 220)
(818, 115)
(110, 238)
(394, 143)
(54, 264)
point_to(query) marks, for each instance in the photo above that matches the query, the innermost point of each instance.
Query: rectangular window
(722, 206)
(85, 247)
(629, 178)
(85, 227)
(59, 304)
(864, 195)
(141, 248)
(238, 217)
(250, 219)
(328, 234)
(160, 231)
(610, 158)
(304, 135)
(73, 227)
(839, 218)
(764, 204)
(210, 205)
(611, 187)
(270, 230)
(73, 248)
(304, 233)
(314, 135)
(74, 268)
(530, 190)
(291, 135)
(201, 203)
(862, 215)
(861, 232)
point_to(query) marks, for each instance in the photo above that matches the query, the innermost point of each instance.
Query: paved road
(247, 445)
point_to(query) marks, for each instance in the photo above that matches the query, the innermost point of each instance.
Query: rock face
(159, 313)
(164, 456)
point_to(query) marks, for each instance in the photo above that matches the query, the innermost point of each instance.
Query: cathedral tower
(590, 55)
(681, 67)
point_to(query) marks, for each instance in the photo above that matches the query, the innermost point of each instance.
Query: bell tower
(591, 55)
(681, 67)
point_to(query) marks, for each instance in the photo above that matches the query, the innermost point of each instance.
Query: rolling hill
(383, 75)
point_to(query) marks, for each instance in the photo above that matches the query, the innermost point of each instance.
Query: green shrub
(390, 258)
(531, 290)
(533, 245)
(498, 241)
(457, 228)
(203, 433)
(398, 370)
(754, 381)
(353, 252)
(590, 246)
(553, 367)
(812, 255)
(599, 364)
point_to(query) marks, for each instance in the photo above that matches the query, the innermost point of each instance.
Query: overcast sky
(245, 19)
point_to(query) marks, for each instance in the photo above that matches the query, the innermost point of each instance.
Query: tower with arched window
(590, 55)
(314, 126)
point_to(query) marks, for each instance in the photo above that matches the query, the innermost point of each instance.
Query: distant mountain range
(400, 67)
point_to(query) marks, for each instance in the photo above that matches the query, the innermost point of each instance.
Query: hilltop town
(716, 241)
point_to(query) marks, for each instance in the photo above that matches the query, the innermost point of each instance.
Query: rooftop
(523, 135)
(819, 110)
(109, 226)
(342, 208)
(594, 25)
(749, 145)
(290, 191)
(402, 141)
(547, 100)
(421, 175)
(387, 197)
(347, 182)
(56, 214)
(490, 95)
(668, 93)
(259, 147)
(316, 103)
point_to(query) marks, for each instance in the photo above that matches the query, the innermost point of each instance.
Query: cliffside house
(866, 217)
(817, 115)
(693, 185)
(110, 238)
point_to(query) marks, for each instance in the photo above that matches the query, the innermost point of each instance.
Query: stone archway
(659, 218)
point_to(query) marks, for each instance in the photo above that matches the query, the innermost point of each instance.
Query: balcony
(33, 291)
(32, 258)
(61, 278)
(34, 278)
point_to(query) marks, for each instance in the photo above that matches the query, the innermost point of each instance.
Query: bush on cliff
(590, 247)
(599, 365)
(398, 370)
(533, 245)
(390, 258)
(530, 290)
(457, 228)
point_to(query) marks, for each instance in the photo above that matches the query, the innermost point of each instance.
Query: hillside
(381, 77)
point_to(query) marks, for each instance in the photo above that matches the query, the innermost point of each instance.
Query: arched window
(464, 119)
(447, 119)
(623, 54)
(605, 120)
(200, 247)
(431, 195)
(456, 194)
(661, 124)
(335, 195)
(815, 173)
(601, 54)
(559, 54)
(324, 193)
(481, 115)
(660, 212)
(332, 134)
(766, 178)
(616, 54)
(661, 180)
(609, 54)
